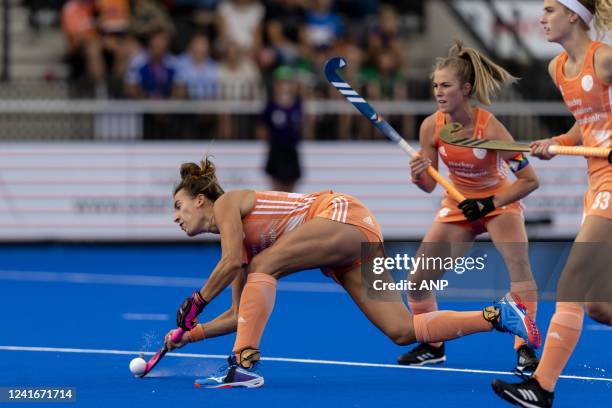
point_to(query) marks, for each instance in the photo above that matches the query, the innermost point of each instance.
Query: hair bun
(190, 169)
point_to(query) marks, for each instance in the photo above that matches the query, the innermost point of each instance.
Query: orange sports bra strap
(440, 122)
(589, 61)
(561, 58)
(482, 120)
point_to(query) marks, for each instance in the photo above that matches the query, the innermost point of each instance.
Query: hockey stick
(176, 337)
(446, 135)
(366, 110)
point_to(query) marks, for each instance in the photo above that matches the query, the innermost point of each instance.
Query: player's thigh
(443, 240)
(385, 309)
(316, 243)
(508, 233)
(585, 276)
(449, 232)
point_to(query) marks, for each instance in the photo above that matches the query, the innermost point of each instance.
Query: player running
(583, 74)
(278, 234)
(480, 174)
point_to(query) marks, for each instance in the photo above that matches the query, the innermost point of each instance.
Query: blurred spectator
(190, 17)
(197, 78)
(351, 124)
(113, 16)
(151, 76)
(385, 35)
(148, 17)
(151, 73)
(323, 27)
(84, 47)
(385, 81)
(240, 80)
(43, 13)
(282, 24)
(197, 75)
(281, 125)
(240, 22)
(113, 24)
(356, 10)
(358, 16)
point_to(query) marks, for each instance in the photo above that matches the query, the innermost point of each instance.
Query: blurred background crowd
(229, 55)
(230, 50)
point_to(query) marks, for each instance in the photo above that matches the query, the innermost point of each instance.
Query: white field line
(283, 360)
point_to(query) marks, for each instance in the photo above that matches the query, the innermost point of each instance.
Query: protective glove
(475, 208)
(187, 315)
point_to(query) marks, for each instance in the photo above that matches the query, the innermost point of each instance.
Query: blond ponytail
(471, 67)
(603, 16)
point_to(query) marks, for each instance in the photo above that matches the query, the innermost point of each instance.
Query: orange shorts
(449, 212)
(598, 202)
(347, 210)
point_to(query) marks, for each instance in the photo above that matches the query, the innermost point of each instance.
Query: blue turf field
(72, 315)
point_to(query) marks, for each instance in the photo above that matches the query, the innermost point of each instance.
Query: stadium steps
(34, 55)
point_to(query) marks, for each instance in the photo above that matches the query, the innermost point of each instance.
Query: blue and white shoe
(232, 376)
(509, 315)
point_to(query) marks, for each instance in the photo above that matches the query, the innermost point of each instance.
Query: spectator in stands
(322, 29)
(113, 15)
(240, 22)
(84, 46)
(351, 124)
(385, 34)
(124, 49)
(149, 17)
(151, 76)
(151, 73)
(358, 16)
(197, 78)
(281, 125)
(240, 80)
(113, 24)
(386, 81)
(197, 75)
(356, 10)
(282, 23)
(42, 13)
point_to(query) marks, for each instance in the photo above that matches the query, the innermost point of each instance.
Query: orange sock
(528, 292)
(561, 339)
(446, 325)
(421, 306)
(256, 304)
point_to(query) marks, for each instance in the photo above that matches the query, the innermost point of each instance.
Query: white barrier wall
(57, 191)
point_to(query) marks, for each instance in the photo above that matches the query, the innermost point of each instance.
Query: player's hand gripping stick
(176, 337)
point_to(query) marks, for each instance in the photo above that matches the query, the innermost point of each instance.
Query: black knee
(600, 312)
(260, 265)
(401, 336)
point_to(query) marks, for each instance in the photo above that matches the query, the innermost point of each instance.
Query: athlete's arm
(223, 324)
(428, 156)
(526, 178)
(603, 63)
(227, 321)
(573, 137)
(228, 211)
